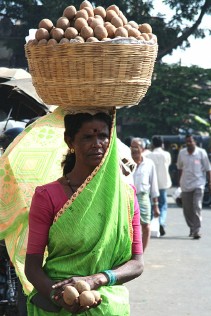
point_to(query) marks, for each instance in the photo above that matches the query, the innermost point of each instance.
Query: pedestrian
(145, 181)
(87, 220)
(194, 169)
(162, 161)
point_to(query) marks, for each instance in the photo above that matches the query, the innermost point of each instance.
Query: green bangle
(111, 276)
(52, 297)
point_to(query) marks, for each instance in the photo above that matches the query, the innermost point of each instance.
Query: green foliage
(175, 93)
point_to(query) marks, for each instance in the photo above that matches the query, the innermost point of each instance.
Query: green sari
(92, 233)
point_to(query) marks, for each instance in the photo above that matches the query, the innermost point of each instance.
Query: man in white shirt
(145, 181)
(194, 166)
(162, 161)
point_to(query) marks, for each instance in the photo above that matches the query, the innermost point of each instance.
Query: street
(177, 276)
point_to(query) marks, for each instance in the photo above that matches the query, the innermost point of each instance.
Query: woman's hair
(72, 124)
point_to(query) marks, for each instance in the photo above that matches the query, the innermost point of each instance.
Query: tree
(170, 35)
(176, 93)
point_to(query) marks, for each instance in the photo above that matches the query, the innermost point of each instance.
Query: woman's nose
(97, 142)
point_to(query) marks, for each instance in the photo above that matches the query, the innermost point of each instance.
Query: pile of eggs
(81, 292)
(90, 24)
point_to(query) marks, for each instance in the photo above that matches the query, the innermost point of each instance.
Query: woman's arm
(124, 273)
(36, 276)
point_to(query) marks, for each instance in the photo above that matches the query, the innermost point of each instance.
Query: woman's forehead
(95, 125)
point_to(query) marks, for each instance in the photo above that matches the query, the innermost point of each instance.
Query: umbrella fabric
(20, 96)
(15, 73)
(32, 159)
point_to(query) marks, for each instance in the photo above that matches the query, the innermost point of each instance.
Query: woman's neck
(78, 175)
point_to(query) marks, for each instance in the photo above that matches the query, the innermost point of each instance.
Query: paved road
(177, 277)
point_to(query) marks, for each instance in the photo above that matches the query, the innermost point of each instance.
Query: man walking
(162, 161)
(145, 181)
(194, 166)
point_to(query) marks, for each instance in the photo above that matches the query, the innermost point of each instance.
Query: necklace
(68, 182)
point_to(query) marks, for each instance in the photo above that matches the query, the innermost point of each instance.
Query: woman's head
(87, 137)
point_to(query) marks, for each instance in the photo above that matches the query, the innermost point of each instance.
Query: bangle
(111, 276)
(52, 297)
(155, 203)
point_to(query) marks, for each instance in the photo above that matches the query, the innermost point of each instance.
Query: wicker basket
(91, 74)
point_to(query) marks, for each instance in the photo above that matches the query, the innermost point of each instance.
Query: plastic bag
(155, 227)
(177, 196)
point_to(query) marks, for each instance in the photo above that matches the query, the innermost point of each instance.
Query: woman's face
(90, 143)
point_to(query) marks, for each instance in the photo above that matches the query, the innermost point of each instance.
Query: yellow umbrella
(32, 159)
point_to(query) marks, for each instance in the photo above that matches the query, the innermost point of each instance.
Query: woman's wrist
(111, 277)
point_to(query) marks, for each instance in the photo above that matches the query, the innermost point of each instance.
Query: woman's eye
(103, 136)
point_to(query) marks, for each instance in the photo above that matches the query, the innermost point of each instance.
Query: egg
(97, 16)
(63, 23)
(133, 32)
(123, 17)
(96, 295)
(64, 41)
(69, 12)
(145, 28)
(34, 42)
(30, 42)
(96, 22)
(116, 21)
(89, 11)
(42, 42)
(86, 32)
(134, 24)
(145, 36)
(110, 14)
(57, 34)
(46, 24)
(100, 11)
(82, 14)
(121, 31)
(141, 38)
(85, 4)
(70, 33)
(86, 298)
(111, 30)
(92, 39)
(52, 42)
(42, 34)
(114, 8)
(70, 294)
(127, 26)
(82, 285)
(79, 39)
(79, 23)
(100, 32)
(90, 19)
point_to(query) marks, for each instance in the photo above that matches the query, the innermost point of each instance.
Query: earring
(72, 150)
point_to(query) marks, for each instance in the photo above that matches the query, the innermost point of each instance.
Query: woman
(86, 225)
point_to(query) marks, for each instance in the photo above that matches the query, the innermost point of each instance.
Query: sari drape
(92, 233)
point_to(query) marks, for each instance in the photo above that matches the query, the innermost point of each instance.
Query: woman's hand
(95, 281)
(75, 308)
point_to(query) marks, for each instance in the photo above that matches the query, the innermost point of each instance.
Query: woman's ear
(68, 141)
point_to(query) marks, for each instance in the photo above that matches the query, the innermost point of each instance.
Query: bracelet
(52, 297)
(111, 276)
(155, 203)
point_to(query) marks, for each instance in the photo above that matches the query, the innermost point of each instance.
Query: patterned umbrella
(32, 159)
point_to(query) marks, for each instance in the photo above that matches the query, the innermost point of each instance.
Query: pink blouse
(46, 202)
